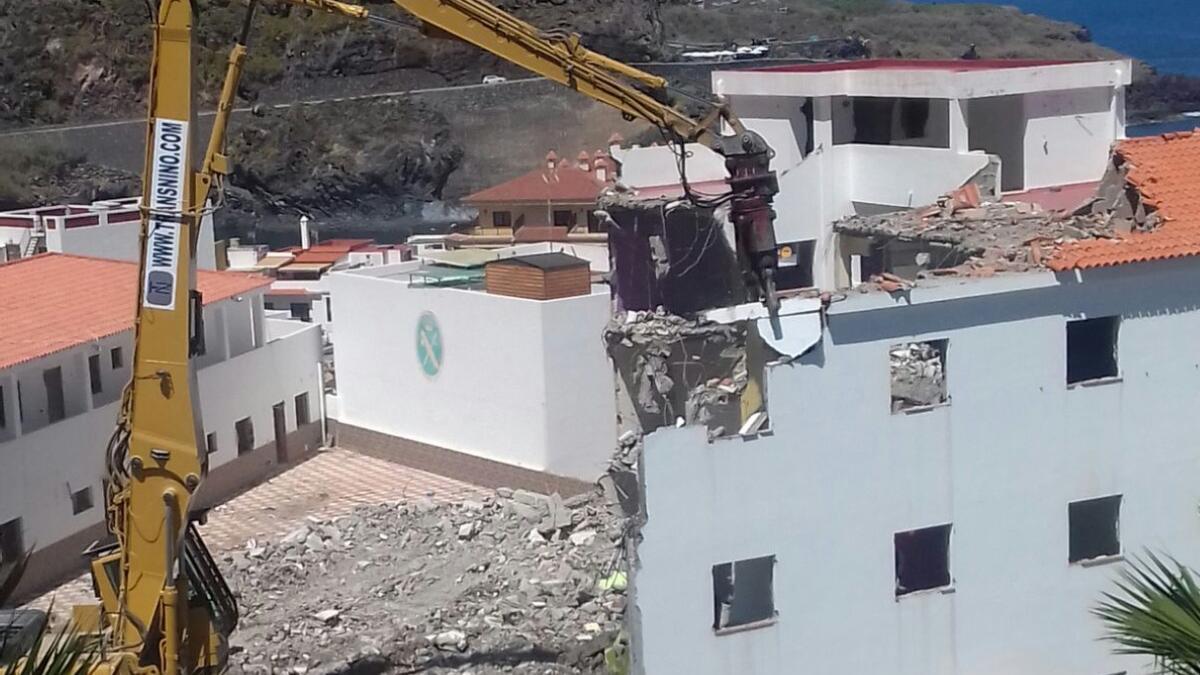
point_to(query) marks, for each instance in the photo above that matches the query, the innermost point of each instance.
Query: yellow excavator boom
(164, 608)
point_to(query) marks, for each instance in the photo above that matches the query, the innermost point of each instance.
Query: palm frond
(55, 652)
(10, 576)
(1155, 611)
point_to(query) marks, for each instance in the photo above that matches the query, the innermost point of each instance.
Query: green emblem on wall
(429, 344)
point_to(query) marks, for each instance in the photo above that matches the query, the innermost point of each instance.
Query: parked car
(19, 629)
(494, 79)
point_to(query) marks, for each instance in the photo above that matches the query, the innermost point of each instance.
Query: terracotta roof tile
(1165, 170)
(320, 256)
(53, 302)
(568, 184)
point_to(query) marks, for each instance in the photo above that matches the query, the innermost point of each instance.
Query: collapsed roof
(1146, 208)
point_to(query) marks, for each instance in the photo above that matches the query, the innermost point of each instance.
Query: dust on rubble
(518, 582)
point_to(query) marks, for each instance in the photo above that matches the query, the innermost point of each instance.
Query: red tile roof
(563, 184)
(53, 302)
(314, 255)
(1165, 170)
(954, 65)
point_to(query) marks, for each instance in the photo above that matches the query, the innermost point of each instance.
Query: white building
(104, 229)
(66, 348)
(881, 135)
(972, 532)
(435, 371)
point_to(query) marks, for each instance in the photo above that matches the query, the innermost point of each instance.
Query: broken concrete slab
(994, 236)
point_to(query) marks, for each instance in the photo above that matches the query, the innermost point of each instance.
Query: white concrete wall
(839, 475)
(523, 382)
(1068, 135)
(119, 241)
(906, 176)
(250, 384)
(245, 257)
(40, 468)
(997, 125)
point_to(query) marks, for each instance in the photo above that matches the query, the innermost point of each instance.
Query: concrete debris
(918, 375)
(475, 587)
(678, 370)
(960, 236)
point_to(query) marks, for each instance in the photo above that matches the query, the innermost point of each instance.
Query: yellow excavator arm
(164, 608)
(561, 57)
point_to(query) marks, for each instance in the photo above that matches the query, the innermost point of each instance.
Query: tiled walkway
(330, 484)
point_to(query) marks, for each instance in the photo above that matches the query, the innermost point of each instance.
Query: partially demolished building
(941, 464)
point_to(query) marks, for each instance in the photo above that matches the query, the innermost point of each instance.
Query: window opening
(302, 417)
(1094, 526)
(743, 592)
(245, 435)
(81, 500)
(918, 372)
(94, 374)
(1092, 348)
(922, 559)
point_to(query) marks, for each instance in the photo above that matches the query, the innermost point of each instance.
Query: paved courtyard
(331, 483)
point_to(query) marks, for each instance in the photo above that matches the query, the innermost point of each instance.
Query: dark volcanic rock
(377, 157)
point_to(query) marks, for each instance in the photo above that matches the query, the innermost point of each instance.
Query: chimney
(551, 160)
(305, 241)
(600, 162)
(614, 143)
(585, 161)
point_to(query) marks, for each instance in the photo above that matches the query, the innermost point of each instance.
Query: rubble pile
(918, 375)
(980, 239)
(518, 583)
(679, 370)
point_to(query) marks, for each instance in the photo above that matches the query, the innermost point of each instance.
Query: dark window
(914, 114)
(302, 409)
(922, 559)
(3, 412)
(20, 403)
(1092, 348)
(501, 219)
(12, 545)
(873, 120)
(117, 356)
(1094, 528)
(743, 592)
(563, 219)
(94, 373)
(302, 311)
(210, 442)
(918, 371)
(245, 435)
(329, 309)
(81, 500)
(55, 406)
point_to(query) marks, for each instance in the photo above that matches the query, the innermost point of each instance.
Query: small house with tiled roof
(561, 193)
(66, 354)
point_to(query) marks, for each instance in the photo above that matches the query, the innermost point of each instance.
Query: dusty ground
(482, 586)
(349, 564)
(330, 484)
